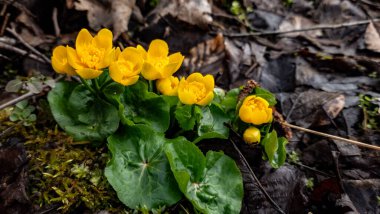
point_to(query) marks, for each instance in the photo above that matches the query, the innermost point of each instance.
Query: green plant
(371, 111)
(152, 121)
(23, 112)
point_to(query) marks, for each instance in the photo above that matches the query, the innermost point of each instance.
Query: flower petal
(107, 59)
(88, 73)
(130, 80)
(209, 97)
(195, 77)
(245, 113)
(158, 48)
(168, 86)
(142, 51)
(103, 39)
(149, 72)
(169, 70)
(185, 96)
(131, 54)
(73, 58)
(176, 58)
(83, 40)
(59, 59)
(209, 82)
(115, 72)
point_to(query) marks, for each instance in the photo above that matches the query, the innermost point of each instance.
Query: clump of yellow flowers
(93, 54)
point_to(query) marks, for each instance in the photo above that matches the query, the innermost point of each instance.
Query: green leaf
(22, 104)
(114, 89)
(35, 85)
(80, 114)
(268, 96)
(280, 155)
(14, 85)
(230, 100)
(187, 116)
(213, 184)
(139, 171)
(143, 107)
(274, 149)
(212, 124)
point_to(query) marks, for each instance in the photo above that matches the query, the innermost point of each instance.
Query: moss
(63, 174)
(70, 175)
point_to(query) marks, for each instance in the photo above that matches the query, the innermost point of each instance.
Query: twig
(15, 34)
(5, 22)
(332, 136)
(16, 100)
(20, 51)
(311, 169)
(316, 27)
(54, 17)
(25, 96)
(267, 196)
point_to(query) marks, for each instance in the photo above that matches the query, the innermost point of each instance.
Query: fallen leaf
(117, 14)
(195, 12)
(372, 38)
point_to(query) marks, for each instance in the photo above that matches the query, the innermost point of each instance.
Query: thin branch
(316, 27)
(267, 196)
(54, 17)
(16, 100)
(20, 51)
(365, 145)
(15, 34)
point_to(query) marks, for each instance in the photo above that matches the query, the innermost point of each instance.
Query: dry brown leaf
(372, 38)
(195, 12)
(121, 13)
(117, 14)
(296, 23)
(30, 31)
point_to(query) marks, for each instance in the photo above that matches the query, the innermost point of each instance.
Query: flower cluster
(254, 110)
(93, 54)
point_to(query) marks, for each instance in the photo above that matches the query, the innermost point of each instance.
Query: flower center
(92, 56)
(159, 62)
(198, 89)
(255, 104)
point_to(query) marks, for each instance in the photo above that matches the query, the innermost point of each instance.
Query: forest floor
(321, 59)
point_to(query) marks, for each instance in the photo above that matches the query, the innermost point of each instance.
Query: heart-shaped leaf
(213, 184)
(212, 124)
(274, 148)
(187, 116)
(139, 171)
(144, 107)
(80, 114)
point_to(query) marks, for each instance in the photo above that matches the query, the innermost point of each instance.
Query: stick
(267, 196)
(57, 30)
(16, 100)
(316, 27)
(15, 34)
(20, 51)
(332, 136)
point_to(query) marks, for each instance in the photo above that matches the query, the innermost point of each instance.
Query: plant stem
(96, 84)
(105, 84)
(85, 83)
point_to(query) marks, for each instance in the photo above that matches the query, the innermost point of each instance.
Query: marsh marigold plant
(152, 120)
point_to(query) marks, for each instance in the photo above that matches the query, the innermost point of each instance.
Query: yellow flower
(196, 89)
(255, 110)
(158, 65)
(252, 135)
(168, 86)
(127, 68)
(92, 54)
(59, 61)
